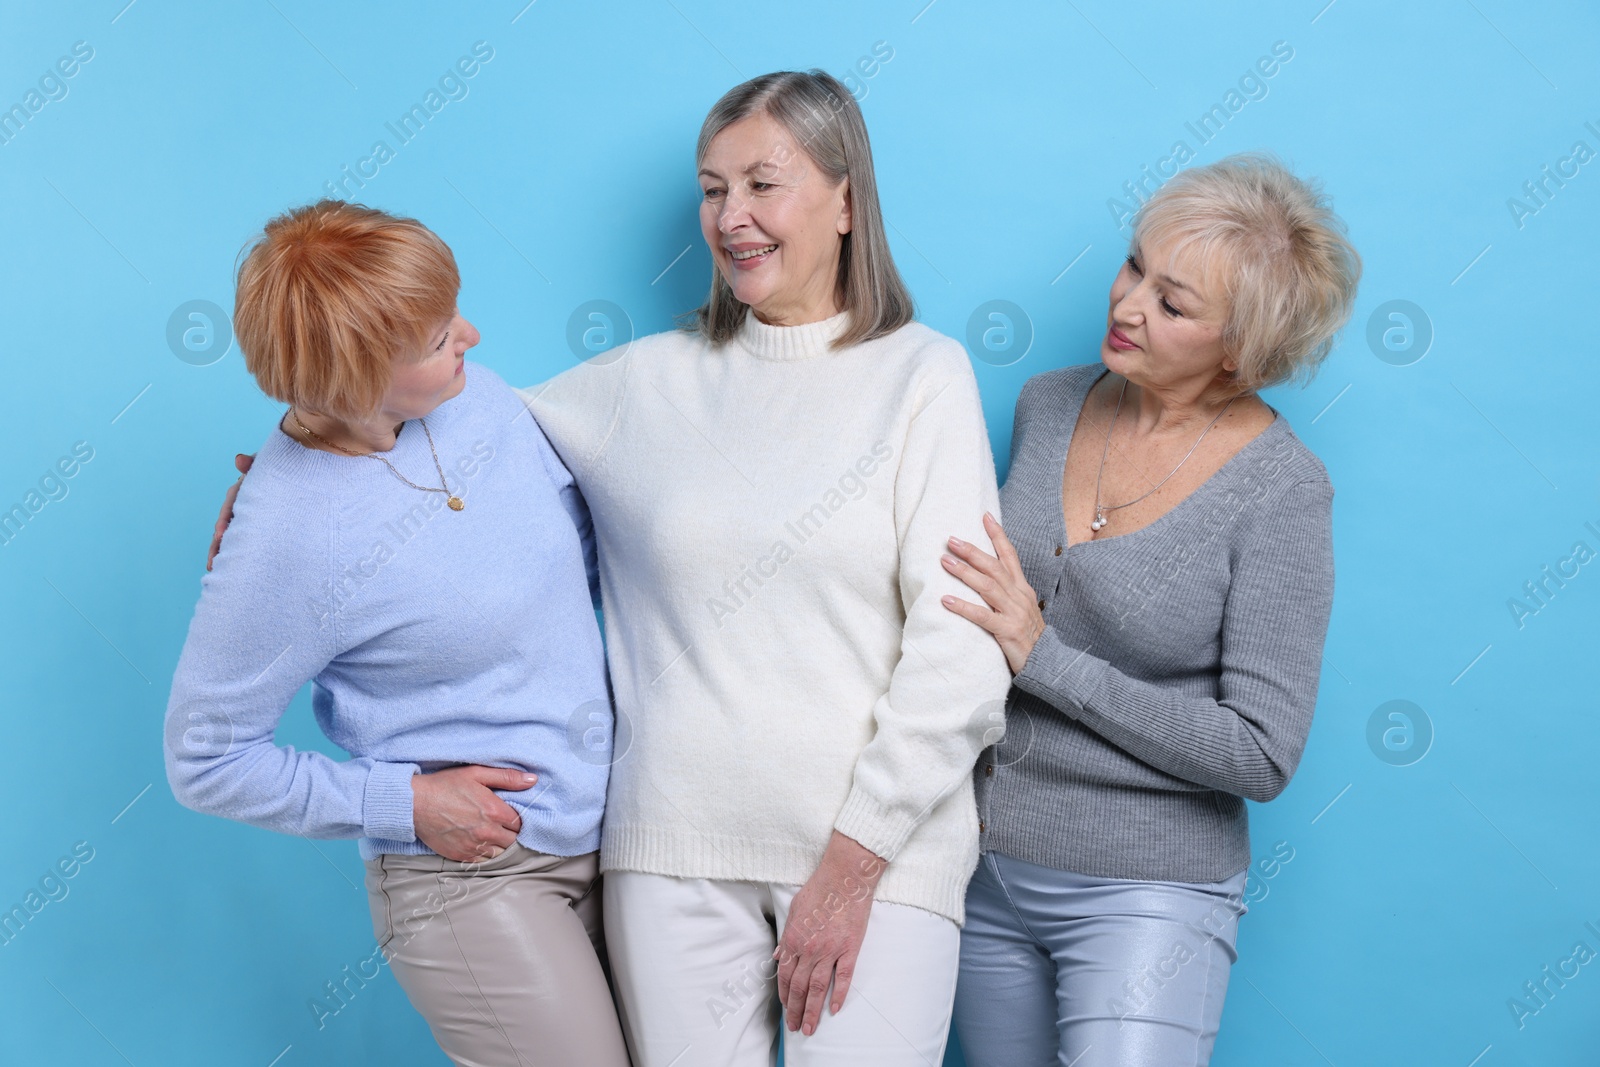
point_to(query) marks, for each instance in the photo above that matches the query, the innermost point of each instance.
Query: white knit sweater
(770, 515)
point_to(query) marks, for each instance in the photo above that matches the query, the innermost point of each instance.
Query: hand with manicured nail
(1012, 613)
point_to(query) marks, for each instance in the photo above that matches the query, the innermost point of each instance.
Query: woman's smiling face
(774, 223)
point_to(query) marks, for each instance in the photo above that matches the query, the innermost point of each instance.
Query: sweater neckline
(1205, 489)
(791, 343)
(410, 453)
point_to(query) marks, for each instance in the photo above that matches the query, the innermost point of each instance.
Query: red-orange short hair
(331, 295)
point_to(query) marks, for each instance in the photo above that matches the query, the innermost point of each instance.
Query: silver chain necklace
(1100, 519)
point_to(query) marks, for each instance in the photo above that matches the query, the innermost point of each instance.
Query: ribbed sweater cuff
(386, 806)
(1062, 676)
(865, 820)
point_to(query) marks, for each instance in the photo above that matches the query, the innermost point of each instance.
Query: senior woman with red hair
(408, 542)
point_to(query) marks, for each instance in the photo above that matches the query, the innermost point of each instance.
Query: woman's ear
(1230, 364)
(845, 217)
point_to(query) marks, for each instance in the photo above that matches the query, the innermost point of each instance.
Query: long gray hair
(823, 117)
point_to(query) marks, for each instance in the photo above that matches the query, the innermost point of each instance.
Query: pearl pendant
(456, 503)
(1099, 521)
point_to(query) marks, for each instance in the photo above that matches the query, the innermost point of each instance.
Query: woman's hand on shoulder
(1010, 609)
(241, 463)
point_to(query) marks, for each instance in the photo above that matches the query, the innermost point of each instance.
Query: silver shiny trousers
(1062, 969)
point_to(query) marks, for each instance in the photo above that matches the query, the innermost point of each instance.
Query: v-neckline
(1066, 542)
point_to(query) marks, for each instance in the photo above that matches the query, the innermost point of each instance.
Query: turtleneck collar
(785, 343)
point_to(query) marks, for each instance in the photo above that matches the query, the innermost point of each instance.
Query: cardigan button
(1041, 605)
(1058, 550)
(988, 772)
(981, 826)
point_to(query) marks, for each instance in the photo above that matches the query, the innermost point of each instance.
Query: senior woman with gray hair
(1162, 600)
(771, 492)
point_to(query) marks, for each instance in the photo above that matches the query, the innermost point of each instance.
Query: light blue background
(1420, 898)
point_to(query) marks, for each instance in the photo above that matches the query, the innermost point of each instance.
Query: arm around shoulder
(578, 409)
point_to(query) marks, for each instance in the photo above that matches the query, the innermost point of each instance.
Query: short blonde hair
(1279, 251)
(331, 295)
(822, 115)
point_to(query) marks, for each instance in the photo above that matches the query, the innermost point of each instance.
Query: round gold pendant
(456, 503)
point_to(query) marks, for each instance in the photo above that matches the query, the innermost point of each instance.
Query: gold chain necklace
(455, 502)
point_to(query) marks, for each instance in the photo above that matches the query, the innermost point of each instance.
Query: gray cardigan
(1178, 669)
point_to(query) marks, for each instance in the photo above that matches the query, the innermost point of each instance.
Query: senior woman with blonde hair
(771, 492)
(407, 541)
(1161, 593)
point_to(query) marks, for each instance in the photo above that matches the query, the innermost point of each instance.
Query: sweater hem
(936, 884)
(1122, 866)
(372, 847)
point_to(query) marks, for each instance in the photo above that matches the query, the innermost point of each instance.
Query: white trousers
(697, 984)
